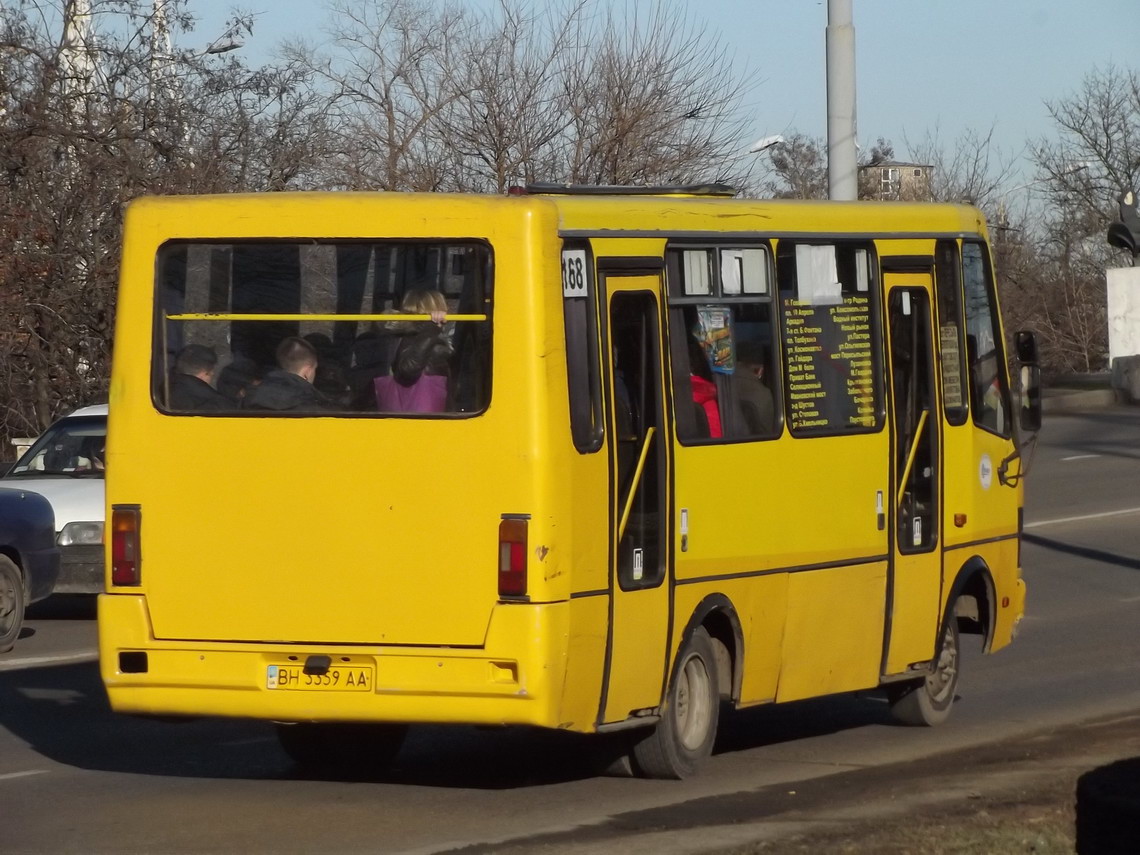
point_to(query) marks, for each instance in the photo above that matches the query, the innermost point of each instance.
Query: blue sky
(921, 64)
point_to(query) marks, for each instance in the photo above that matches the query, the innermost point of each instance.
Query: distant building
(890, 180)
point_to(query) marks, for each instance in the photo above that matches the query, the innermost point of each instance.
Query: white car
(65, 465)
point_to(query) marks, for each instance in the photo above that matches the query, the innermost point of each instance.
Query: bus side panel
(1001, 559)
(834, 637)
(760, 603)
(973, 487)
(585, 662)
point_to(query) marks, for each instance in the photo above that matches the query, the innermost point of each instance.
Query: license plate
(338, 678)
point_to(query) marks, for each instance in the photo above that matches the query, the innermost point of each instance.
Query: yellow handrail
(636, 482)
(910, 457)
(231, 316)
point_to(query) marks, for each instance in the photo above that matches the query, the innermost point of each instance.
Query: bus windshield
(323, 328)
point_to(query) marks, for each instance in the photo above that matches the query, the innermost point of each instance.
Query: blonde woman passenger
(421, 362)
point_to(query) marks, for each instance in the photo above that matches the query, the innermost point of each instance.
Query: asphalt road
(74, 777)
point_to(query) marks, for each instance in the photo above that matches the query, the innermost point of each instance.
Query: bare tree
(92, 114)
(799, 168)
(388, 72)
(653, 99)
(509, 110)
(971, 169)
(1094, 156)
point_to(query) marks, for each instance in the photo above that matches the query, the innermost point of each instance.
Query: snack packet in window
(713, 330)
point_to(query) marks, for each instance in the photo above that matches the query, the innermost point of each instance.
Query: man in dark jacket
(190, 382)
(290, 386)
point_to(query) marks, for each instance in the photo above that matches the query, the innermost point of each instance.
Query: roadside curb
(1076, 401)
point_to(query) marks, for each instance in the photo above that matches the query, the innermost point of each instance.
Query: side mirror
(1028, 381)
(6, 467)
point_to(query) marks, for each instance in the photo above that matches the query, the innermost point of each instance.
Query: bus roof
(346, 215)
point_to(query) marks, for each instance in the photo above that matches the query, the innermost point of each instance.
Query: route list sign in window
(828, 343)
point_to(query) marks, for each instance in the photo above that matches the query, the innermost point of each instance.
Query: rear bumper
(508, 681)
(80, 570)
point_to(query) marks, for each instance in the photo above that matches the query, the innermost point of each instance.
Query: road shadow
(1083, 551)
(743, 730)
(63, 714)
(63, 607)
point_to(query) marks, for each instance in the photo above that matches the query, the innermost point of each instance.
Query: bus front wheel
(684, 735)
(927, 702)
(354, 747)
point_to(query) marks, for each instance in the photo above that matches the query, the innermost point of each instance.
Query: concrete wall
(1123, 312)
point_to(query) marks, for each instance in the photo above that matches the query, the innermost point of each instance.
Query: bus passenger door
(916, 576)
(639, 495)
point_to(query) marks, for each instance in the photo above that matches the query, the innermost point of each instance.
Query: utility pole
(842, 167)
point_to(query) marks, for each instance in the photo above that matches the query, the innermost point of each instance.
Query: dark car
(29, 558)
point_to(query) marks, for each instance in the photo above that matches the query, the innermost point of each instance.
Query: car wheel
(12, 602)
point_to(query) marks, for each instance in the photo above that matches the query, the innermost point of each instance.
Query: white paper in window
(755, 271)
(731, 271)
(817, 279)
(862, 277)
(696, 272)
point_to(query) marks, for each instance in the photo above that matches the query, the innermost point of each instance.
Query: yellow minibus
(588, 458)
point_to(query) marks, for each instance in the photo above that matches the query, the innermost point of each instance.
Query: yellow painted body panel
(375, 538)
(762, 604)
(515, 678)
(834, 637)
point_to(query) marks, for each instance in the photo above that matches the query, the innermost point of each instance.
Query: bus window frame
(959, 415)
(878, 346)
(994, 311)
(158, 334)
(675, 298)
(593, 350)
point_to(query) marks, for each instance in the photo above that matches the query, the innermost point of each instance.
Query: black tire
(685, 734)
(12, 603)
(349, 747)
(927, 702)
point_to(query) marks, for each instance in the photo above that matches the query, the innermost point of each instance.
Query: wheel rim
(692, 708)
(940, 683)
(7, 604)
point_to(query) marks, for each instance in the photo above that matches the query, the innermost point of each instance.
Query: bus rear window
(268, 328)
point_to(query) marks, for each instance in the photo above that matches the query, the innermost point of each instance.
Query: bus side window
(989, 394)
(721, 345)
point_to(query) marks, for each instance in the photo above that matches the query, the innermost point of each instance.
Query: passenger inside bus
(753, 397)
(704, 391)
(290, 386)
(238, 379)
(331, 379)
(421, 360)
(192, 378)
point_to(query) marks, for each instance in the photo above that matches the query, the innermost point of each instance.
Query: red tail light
(512, 557)
(126, 560)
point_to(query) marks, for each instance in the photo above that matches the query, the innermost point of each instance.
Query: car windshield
(72, 447)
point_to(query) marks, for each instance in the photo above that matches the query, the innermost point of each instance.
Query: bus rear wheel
(11, 604)
(353, 747)
(927, 702)
(685, 734)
